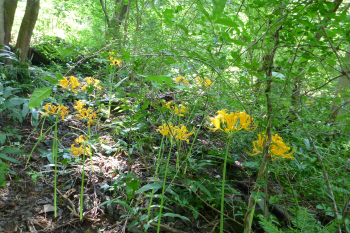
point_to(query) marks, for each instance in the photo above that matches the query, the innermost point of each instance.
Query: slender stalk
(155, 178)
(166, 173)
(223, 186)
(54, 154)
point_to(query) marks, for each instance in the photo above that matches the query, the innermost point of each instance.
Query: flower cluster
(204, 81)
(52, 109)
(178, 111)
(277, 148)
(232, 122)
(178, 132)
(310, 102)
(70, 84)
(91, 82)
(114, 61)
(85, 113)
(77, 151)
(181, 80)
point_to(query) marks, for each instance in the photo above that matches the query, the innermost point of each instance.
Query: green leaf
(131, 187)
(25, 109)
(12, 160)
(227, 22)
(312, 69)
(159, 79)
(58, 76)
(10, 150)
(183, 27)
(120, 82)
(307, 143)
(2, 138)
(341, 118)
(238, 42)
(15, 101)
(51, 80)
(153, 186)
(1, 87)
(202, 9)
(123, 203)
(38, 96)
(2, 179)
(7, 92)
(219, 6)
(331, 62)
(204, 189)
(175, 215)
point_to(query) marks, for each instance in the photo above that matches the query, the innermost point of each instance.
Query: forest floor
(27, 201)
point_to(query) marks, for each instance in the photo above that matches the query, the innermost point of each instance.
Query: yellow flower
(277, 148)
(111, 53)
(74, 83)
(207, 82)
(77, 151)
(115, 61)
(87, 114)
(182, 133)
(79, 104)
(181, 79)
(178, 132)
(80, 139)
(310, 102)
(176, 109)
(232, 122)
(91, 81)
(63, 111)
(165, 129)
(168, 105)
(64, 83)
(51, 109)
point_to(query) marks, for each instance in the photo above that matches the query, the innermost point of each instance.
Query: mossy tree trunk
(27, 27)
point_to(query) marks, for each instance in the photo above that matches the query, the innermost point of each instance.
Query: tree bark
(2, 22)
(9, 14)
(343, 91)
(27, 27)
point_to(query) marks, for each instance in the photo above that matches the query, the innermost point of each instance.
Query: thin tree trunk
(2, 22)
(343, 90)
(27, 27)
(9, 13)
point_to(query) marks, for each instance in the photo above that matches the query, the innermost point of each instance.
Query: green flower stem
(223, 187)
(54, 154)
(195, 137)
(82, 177)
(166, 173)
(155, 178)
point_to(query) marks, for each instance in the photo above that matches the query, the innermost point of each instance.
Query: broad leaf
(227, 22)
(175, 215)
(10, 150)
(38, 96)
(219, 6)
(7, 92)
(185, 29)
(51, 80)
(15, 101)
(153, 186)
(159, 79)
(12, 160)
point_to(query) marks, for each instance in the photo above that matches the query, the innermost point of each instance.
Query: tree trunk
(343, 91)
(27, 27)
(9, 13)
(2, 22)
